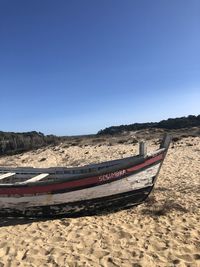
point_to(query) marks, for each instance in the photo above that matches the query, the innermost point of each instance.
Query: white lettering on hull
(112, 175)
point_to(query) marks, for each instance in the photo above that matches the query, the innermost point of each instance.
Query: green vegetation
(12, 143)
(170, 124)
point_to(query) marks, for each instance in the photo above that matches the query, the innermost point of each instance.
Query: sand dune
(164, 231)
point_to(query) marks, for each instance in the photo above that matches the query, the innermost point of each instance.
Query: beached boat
(46, 192)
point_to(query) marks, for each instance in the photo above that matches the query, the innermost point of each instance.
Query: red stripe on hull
(37, 189)
(146, 163)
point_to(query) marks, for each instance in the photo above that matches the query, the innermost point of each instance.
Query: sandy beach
(164, 231)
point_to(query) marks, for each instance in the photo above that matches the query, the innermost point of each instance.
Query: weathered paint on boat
(62, 191)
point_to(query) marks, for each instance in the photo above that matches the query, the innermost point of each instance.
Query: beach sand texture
(164, 231)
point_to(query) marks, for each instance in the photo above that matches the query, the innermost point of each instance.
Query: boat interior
(30, 175)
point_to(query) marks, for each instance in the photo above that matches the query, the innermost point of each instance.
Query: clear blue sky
(77, 66)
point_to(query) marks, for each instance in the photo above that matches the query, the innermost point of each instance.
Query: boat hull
(126, 184)
(83, 207)
(128, 189)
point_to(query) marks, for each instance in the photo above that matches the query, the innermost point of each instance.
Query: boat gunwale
(119, 167)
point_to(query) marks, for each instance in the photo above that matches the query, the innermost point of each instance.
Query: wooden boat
(46, 192)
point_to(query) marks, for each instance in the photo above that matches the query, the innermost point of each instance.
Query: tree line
(169, 124)
(12, 143)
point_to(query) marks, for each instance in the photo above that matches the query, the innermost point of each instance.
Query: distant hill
(12, 143)
(169, 124)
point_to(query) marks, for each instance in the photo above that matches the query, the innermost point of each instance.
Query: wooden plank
(165, 142)
(35, 178)
(6, 175)
(142, 149)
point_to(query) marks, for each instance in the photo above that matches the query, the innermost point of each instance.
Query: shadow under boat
(17, 220)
